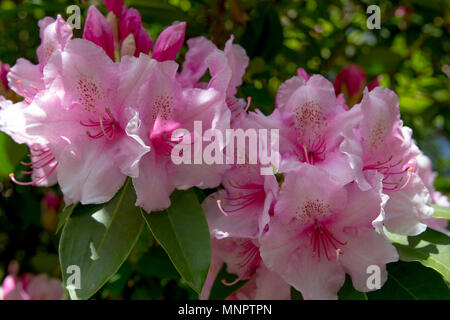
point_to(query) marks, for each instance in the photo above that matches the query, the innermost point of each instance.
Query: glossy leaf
(98, 240)
(430, 248)
(411, 281)
(183, 232)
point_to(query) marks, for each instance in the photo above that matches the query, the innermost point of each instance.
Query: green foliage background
(410, 52)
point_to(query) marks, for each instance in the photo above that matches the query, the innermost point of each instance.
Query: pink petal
(55, 34)
(169, 42)
(25, 79)
(87, 172)
(381, 114)
(153, 186)
(238, 62)
(132, 147)
(407, 208)
(302, 73)
(287, 89)
(194, 66)
(363, 249)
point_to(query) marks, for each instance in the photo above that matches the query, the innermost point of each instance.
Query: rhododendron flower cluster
(346, 175)
(91, 120)
(104, 108)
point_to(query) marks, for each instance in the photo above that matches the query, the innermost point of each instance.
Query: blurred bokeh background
(409, 54)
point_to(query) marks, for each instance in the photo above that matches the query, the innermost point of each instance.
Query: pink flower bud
(130, 23)
(4, 69)
(402, 11)
(169, 42)
(115, 6)
(52, 201)
(99, 31)
(351, 79)
(375, 83)
(302, 73)
(143, 42)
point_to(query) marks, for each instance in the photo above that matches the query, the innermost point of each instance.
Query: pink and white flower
(321, 230)
(380, 143)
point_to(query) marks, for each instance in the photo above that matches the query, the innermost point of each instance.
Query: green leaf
(219, 290)
(441, 212)
(296, 295)
(431, 248)
(348, 292)
(116, 286)
(64, 216)
(156, 264)
(183, 232)
(411, 281)
(98, 239)
(10, 154)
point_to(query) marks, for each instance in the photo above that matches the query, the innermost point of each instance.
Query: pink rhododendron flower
(89, 129)
(381, 143)
(25, 78)
(169, 42)
(27, 81)
(164, 106)
(197, 63)
(322, 230)
(310, 123)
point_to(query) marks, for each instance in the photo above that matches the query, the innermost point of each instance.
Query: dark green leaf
(183, 232)
(63, 216)
(98, 240)
(296, 295)
(156, 264)
(411, 281)
(348, 292)
(219, 290)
